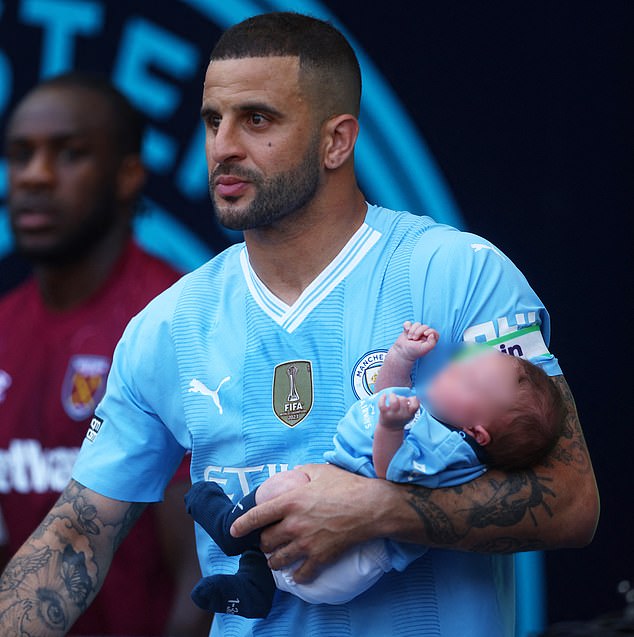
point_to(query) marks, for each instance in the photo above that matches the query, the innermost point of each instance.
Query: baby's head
(507, 404)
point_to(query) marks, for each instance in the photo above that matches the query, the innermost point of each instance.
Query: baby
(486, 409)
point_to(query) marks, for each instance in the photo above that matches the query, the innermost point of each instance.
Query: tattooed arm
(58, 571)
(552, 505)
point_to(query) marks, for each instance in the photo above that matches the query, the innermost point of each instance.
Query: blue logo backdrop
(157, 56)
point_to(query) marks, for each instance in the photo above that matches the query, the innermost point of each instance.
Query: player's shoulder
(426, 235)
(396, 222)
(451, 249)
(449, 239)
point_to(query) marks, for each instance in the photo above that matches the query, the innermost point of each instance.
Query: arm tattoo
(59, 570)
(501, 500)
(571, 449)
(495, 503)
(132, 514)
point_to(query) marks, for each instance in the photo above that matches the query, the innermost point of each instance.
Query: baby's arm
(394, 413)
(413, 342)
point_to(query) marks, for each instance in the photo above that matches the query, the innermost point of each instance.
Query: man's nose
(37, 171)
(225, 143)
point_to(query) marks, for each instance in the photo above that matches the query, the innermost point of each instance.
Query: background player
(75, 175)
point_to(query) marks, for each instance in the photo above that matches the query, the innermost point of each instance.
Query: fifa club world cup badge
(293, 391)
(84, 385)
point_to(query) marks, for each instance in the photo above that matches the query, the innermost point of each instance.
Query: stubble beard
(275, 197)
(79, 241)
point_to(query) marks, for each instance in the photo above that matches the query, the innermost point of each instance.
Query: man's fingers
(257, 518)
(284, 556)
(306, 572)
(305, 568)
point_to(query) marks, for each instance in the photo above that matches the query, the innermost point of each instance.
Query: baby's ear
(481, 435)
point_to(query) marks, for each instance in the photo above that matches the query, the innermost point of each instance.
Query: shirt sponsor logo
(236, 482)
(84, 385)
(365, 372)
(93, 428)
(292, 391)
(26, 467)
(5, 383)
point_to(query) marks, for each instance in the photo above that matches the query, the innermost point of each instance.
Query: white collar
(290, 317)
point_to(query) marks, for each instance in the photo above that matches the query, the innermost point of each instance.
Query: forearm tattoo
(499, 501)
(59, 570)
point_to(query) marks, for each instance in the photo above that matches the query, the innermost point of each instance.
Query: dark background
(527, 109)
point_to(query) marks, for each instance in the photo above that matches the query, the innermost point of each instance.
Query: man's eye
(214, 122)
(257, 119)
(71, 153)
(18, 155)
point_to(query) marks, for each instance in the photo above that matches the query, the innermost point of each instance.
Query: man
(75, 175)
(252, 359)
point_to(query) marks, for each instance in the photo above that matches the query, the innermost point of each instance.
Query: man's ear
(481, 435)
(130, 178)
(341, 133)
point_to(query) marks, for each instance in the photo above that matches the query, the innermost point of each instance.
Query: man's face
(262, 142)
(62, 174)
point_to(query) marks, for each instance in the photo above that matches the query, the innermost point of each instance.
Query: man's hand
(317, 522)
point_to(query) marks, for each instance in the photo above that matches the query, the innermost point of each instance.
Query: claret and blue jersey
(219, 365)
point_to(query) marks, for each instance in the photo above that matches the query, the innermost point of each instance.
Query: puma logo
(200, 388)
(482, 246)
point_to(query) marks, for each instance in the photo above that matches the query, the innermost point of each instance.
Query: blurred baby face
(475, 389)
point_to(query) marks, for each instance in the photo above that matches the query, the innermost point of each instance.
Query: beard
(275, 197)
(74, 245)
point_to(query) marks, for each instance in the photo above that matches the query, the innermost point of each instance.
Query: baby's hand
(396, 411)
(416, 340)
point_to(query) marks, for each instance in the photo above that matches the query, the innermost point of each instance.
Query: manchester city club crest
(84, 385)
(293, 391)
(365, 372)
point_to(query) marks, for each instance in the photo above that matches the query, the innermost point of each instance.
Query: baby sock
(248, 593)
(207, 503)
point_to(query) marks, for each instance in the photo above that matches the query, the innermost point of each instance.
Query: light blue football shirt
(219, 365)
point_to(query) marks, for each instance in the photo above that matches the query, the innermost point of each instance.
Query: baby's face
(474, 390)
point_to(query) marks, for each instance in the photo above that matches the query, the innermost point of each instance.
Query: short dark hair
(526, 435)
(327, 62)
(127, 122)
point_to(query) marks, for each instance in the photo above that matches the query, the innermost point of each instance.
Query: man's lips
(230, 186)
(32, 219)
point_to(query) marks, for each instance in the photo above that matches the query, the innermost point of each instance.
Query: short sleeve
(473, 293)
(130, 453)
(433, 456)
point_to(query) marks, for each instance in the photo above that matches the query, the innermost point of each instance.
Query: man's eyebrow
(56, 138)
(259, 107)
(207, 111)
(246, 107)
